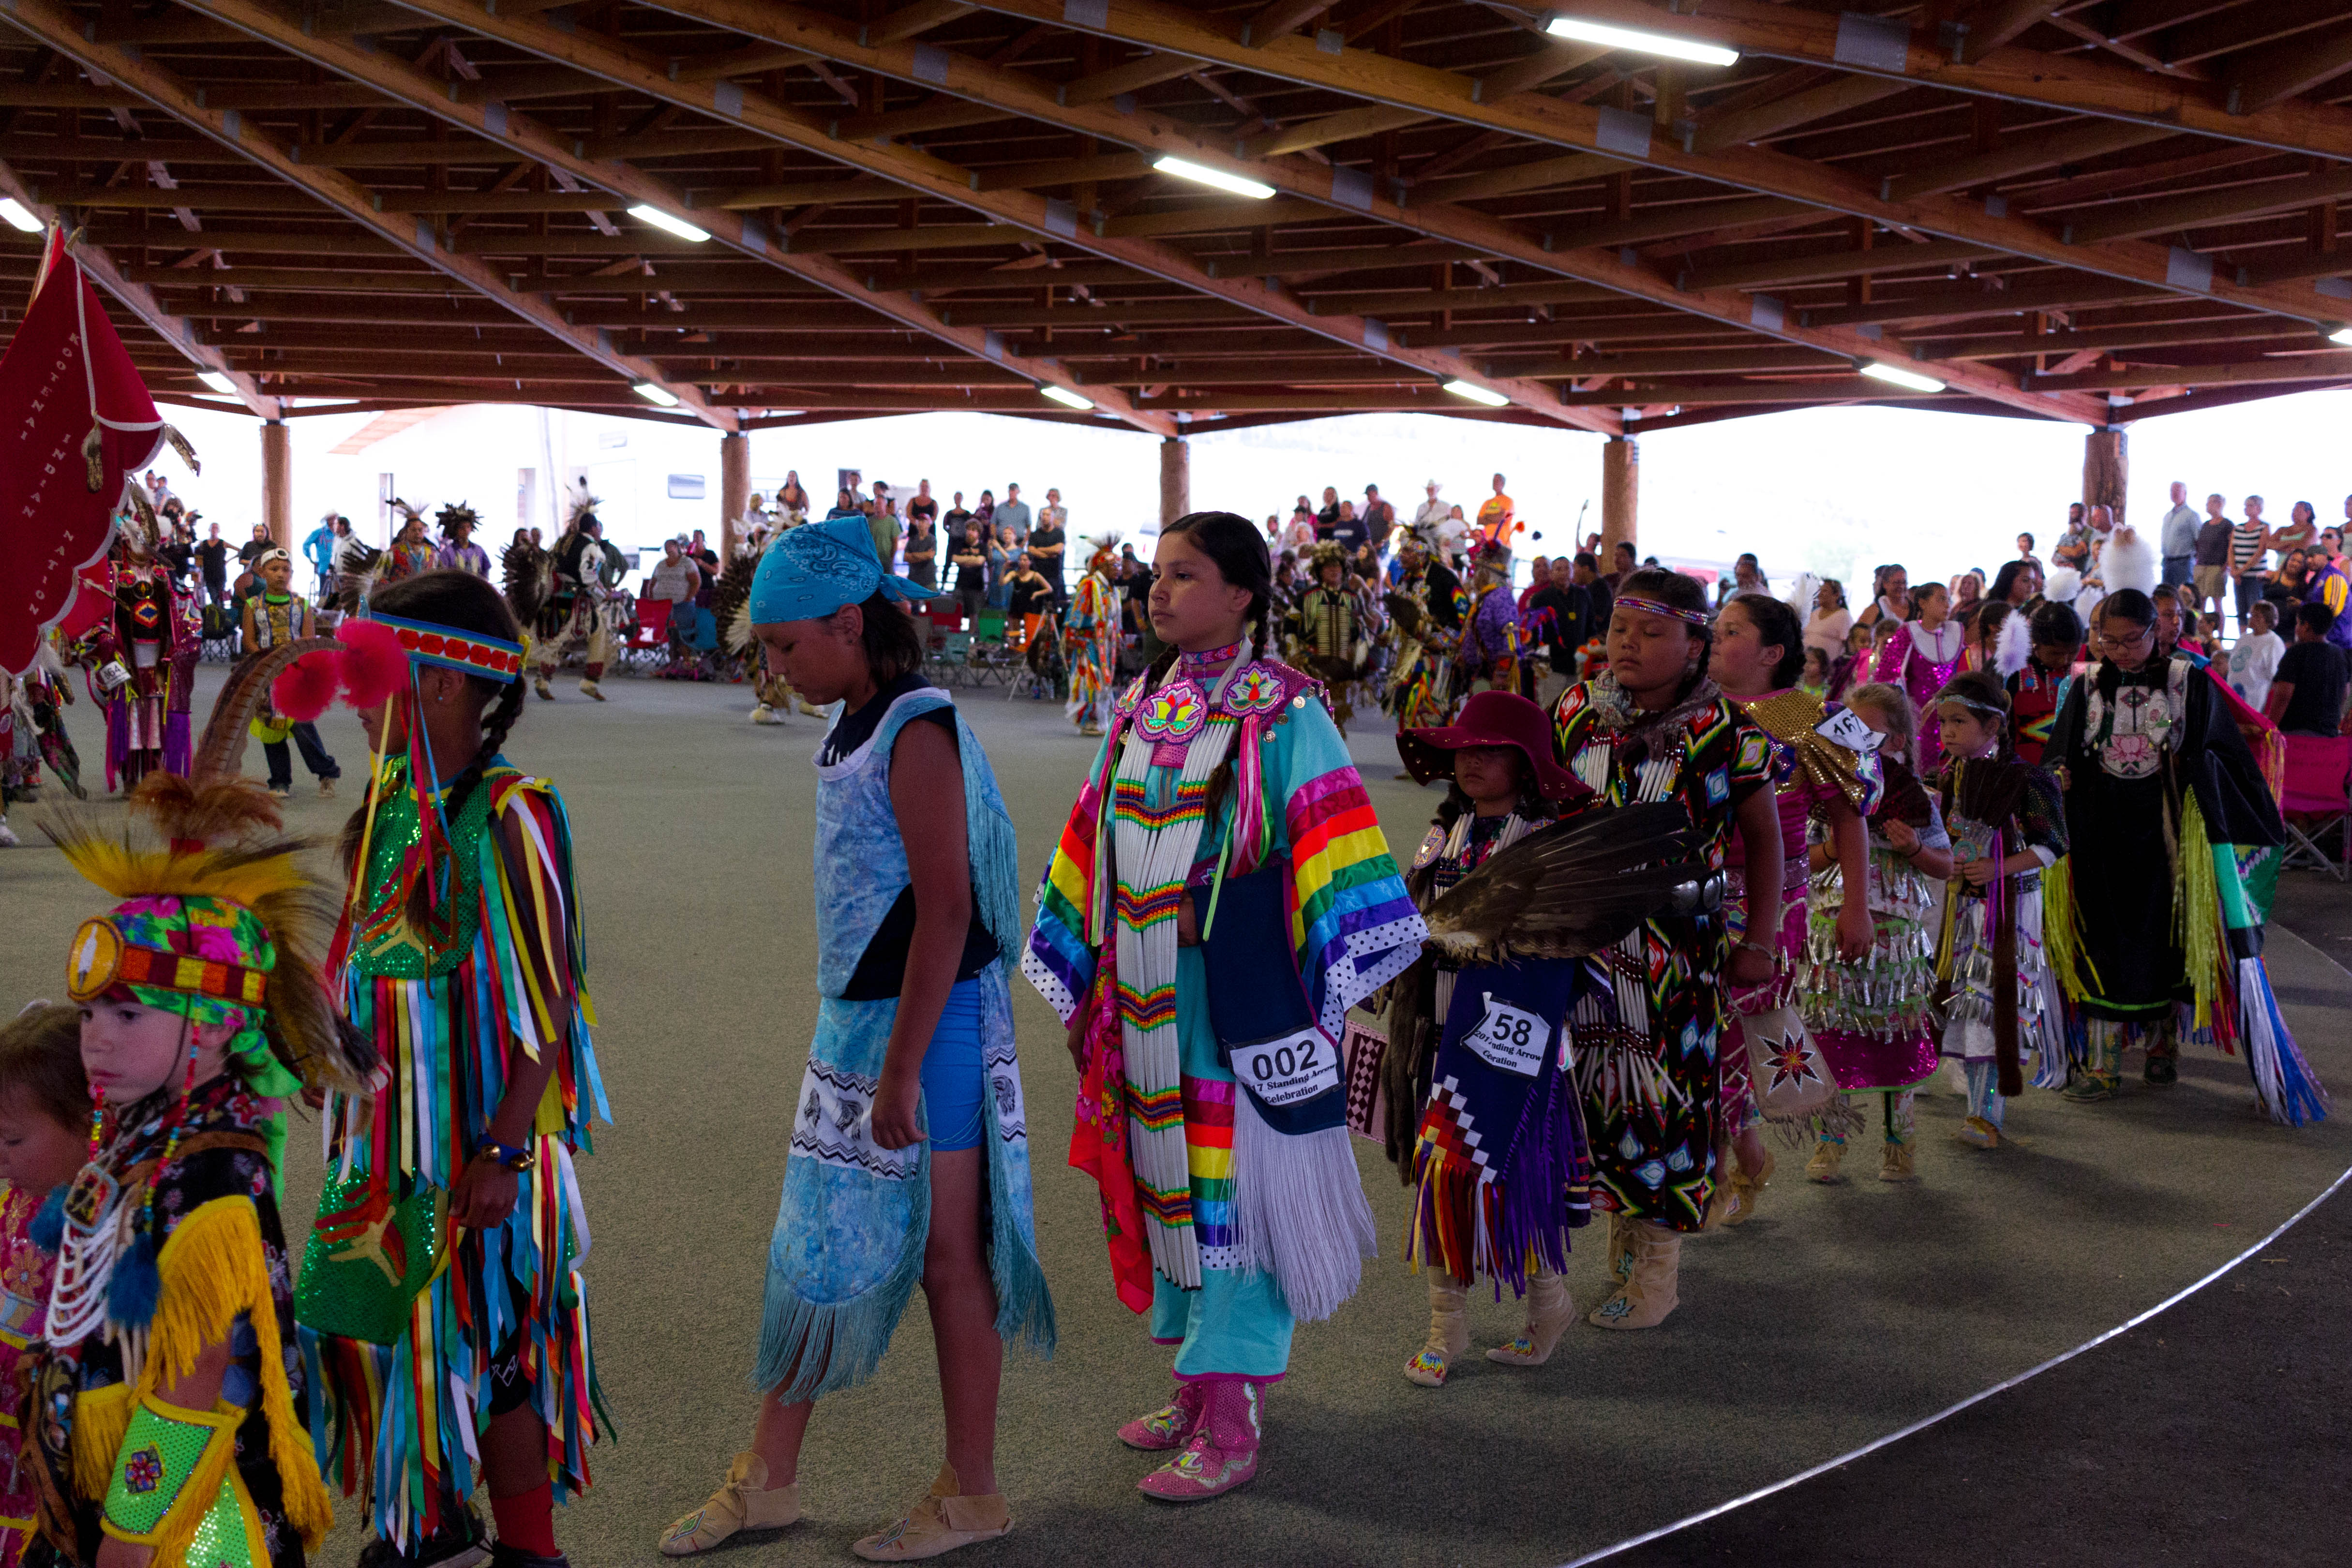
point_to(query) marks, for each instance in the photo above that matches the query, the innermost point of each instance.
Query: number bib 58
(1509, 1038)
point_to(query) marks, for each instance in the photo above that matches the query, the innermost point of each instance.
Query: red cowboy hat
(1491, 719)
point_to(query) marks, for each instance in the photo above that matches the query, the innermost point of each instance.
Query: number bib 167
(1509, 1038)
(1289, 1068)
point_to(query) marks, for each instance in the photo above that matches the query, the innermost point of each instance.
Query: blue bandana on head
(817, 568)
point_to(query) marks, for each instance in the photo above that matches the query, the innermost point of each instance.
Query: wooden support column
(278, 481)
(1620, 497)
(734, 491)
(1175, 479)
(2107, 469)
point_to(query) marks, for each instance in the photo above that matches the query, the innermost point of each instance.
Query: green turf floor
(1838, 1314)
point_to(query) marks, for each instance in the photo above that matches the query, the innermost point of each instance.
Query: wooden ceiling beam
(1216, 217)
(1959, 301)
(1061, 172)
(2009, 345)
(1825, 389)
(1417, 301)
(953, 115)
(2172, 215)
(274, 96)
(793, 193)
(2266, 78)
(1984, 27)
(321, 278)
(976, 79)
(947, 278)
(1097, 315)
(1019, 93)
(1755, 122)
(1630, 138)
(527, 139)
(2248, 373)
(1329, 263)
(151, 312)
(1885, 258)
(1733, 360)
(908, 21)
(2080, 82)
(1347, 125)
(2027, 152)
(1147, 71)
(728, 62)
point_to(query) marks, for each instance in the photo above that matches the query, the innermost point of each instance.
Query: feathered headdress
(408, 514)
(2062, 585)
(1330, 552)
(455, 515)
(584, 510)
(221, 924)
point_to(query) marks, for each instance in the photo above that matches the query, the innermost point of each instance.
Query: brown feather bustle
(220, 754)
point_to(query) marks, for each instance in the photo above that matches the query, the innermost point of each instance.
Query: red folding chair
(650, 635)
(2318, 797)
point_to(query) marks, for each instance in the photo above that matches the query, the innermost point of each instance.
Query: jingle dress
(1875, 1016)
(1923, 662)
(1809, 770)
(410, 1361)
(254, 1500)
(1994, 808)
(1646, 1046)
(847, 1249)
(1186, 1190)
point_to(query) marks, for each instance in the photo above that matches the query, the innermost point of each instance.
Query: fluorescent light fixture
(1201, 174)
(18, 218)
(1910, 379)
(2341, 335)
(652, 394)
(1477, 393)
(644, 212)
(218, 382)
(1065, 397)
(1665, 44)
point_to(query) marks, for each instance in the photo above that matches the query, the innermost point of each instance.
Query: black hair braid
(497, 719)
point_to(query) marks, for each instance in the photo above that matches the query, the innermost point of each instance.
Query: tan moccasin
(745, 1502)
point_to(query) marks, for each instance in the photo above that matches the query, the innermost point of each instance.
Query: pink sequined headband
(1698, 618)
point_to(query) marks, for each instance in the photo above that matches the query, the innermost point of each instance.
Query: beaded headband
(475, 655)
(1698, 618)
(1972, 703)
(103, 956)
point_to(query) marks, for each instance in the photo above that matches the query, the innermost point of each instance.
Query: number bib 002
(1289, 1068)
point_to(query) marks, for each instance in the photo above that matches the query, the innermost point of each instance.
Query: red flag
(65, 374)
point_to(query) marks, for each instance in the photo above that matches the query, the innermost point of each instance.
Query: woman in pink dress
(1759, 654)
(1921, 658)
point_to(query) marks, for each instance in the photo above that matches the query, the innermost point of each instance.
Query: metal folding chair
(2318, 797)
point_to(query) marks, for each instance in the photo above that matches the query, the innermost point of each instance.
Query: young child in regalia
(1520, 881)
(1221, 897)
(43, 1136)
(162, 1399)
(273, 618)
(446, 1250)
(1994, 988)
(908, 1161)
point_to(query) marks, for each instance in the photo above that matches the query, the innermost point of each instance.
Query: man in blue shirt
(2178, 537)
(1012, 512)
(319, 549)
